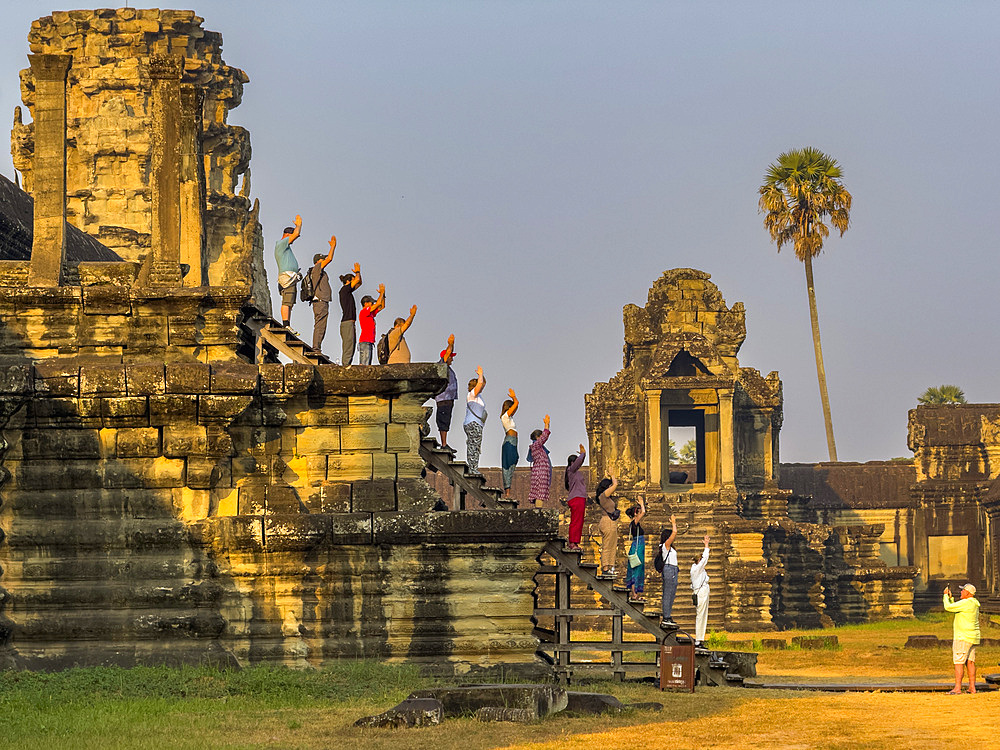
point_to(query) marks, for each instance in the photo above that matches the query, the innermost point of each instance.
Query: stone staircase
(274, 338)
(469, 490)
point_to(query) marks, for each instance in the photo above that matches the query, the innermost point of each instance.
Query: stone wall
(184, 512)
(112, 129)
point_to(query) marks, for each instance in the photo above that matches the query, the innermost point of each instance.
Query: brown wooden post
(48, 250)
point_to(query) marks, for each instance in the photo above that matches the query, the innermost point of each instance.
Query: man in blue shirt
(288, 269)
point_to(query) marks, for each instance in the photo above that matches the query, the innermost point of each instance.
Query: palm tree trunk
(820, 370)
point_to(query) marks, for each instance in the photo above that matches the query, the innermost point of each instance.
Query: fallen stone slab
(776, 644)
(499, 713)
(593, 703)
(412, 712)
(815, 641)
(542, 700)
(925, 641)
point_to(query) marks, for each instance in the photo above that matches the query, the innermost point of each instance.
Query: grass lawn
(161, 708)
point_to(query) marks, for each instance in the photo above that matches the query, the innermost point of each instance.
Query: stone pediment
(686, 355)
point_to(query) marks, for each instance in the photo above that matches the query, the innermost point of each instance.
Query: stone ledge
(465, 527)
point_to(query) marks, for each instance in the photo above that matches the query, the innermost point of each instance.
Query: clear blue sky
(522, 170)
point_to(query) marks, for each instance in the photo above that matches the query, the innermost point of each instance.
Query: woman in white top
(699, 585)
(475, 418)
(508, 452)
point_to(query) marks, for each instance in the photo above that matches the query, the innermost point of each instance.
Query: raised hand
(479, 371)
(582, 449)
(298, 220)
(510, 392)
(673, 520)
(381, 288)
(706, 540)
(451, 340)
(357, 268)
(413, 311)
(546, 420)
(333, 241)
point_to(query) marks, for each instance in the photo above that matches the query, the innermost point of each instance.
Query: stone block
(222, 408)
(402, 438)
(408, 408)
(335, 497)
(541, 700)
(362, 438)
(272, 377)
(138, 442)
(61, 443)
(56, 412)
(409, 466)
(249, 468)
(282, 500)
(349, 467)
(183, 440)
(172, 409)
(412, 712)
(228, 504)
(153, 473)
(234, 377)
(220, 442)
(305, 470)
(317, 440)
(191, 504)
(205, 472)
(367, 410)
(67, 474)
(127, 411)
(298, 378)
(251, 500)
(815, 641)
(15, 379)
(57, 379)
(415, 495)
(144, 379)
(106, 299)
(188, 377)
(323, 411)
(384, 466)
(373, 496)
(273, 414)
(102, 380)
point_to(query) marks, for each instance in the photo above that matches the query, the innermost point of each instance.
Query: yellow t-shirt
(966, 627)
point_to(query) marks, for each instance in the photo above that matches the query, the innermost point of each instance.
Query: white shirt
(508, 422)
(699, 577)
(669, 556)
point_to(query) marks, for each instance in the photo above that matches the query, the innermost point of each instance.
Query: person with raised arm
(575, 482)
(399, 350)
(608, 525)
(635, 574)
(699, 585)
(965, 634)
(322, 294)
(475, 418)
(366, 320)
(508, 451)
(445, 400)
(349, 313)
(666, 563)
(288, 270)
(541, 467)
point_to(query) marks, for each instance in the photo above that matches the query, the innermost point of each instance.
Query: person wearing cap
(348, 333)
(288, 270)
(699, 585)
(322, 294)
(370, 307)
(965, 634)
(445, 400)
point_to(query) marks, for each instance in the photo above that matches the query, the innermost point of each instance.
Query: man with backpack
(288, 270)
(316, 291)
(399, 350)
(366, 321)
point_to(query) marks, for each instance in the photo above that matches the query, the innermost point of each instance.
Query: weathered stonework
(681, 369)
(120, 61)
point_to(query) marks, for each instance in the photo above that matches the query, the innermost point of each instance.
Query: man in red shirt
(366, 320)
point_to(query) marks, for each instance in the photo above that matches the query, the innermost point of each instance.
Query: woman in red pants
(576, 490)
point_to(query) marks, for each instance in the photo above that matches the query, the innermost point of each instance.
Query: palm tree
(942, 394)
(801, 190)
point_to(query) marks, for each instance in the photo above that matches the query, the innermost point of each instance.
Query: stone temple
(170, 492)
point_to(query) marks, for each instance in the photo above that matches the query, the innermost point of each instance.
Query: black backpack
(307, 289)
(382, 349)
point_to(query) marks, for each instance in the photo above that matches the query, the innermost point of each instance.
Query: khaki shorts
(963, 651)
(288, 295)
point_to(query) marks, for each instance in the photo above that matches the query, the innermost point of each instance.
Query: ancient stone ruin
(170, 492)
(681, 369)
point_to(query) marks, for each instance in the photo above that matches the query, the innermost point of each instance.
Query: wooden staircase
(469, 490)
(274, 338)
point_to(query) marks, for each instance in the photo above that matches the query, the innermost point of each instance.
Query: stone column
(727, 454)
(192, 186)
(48, 249)
(165, 140)
(768, 449)
(654, 439)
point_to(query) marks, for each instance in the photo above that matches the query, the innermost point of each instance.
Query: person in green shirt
(965, 634)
